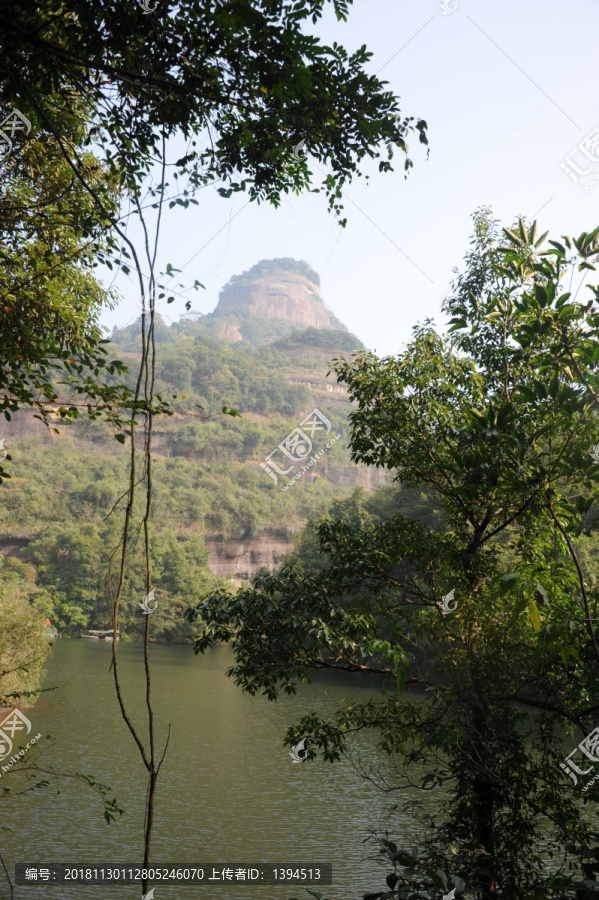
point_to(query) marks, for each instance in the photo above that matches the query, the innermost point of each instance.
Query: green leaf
(535, 616)
(527, 393)
(508, 583)
(511, 235)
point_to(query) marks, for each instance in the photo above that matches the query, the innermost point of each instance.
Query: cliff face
(284, 295)
(284, 291)
(229, 332)
(240, 557)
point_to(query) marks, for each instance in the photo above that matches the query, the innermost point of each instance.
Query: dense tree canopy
(495, 426)
(52, 234)
(243, 72)
(23, 648)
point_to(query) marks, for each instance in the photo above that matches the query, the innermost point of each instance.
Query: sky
(507, 90)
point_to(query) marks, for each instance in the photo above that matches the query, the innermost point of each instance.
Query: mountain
(218, 511)
(272, 299)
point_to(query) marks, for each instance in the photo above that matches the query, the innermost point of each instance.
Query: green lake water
(228, 791)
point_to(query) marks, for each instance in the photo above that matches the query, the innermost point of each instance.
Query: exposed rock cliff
(287, 295)
(284, 292)
(240, 556)
(229, 332)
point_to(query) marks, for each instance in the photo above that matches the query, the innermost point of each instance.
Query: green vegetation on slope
(268, 267)
(213, 373)
(67, 497)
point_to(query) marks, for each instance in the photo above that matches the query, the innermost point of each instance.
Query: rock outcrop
(240, 556)
(278, 289)
(227, 331)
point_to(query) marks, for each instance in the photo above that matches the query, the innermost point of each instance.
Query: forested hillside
(60, 506)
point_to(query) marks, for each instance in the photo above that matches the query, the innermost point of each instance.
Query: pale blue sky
(508, 93)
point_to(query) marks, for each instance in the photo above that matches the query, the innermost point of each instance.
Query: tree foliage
(495, 426)
(23, 649)
(243, 73)
(51, 348)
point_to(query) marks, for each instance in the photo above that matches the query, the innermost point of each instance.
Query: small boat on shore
(98, 635)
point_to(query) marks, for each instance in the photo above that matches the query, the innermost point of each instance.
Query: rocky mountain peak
(282, 288)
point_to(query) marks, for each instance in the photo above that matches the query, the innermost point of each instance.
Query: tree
(92, 76)
(490, 426)
(52, 235)
(239, 72)
(24, 648)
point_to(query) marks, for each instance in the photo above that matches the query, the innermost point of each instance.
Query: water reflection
(228, 790)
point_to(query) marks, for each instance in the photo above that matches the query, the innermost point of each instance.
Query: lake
(228, 791)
